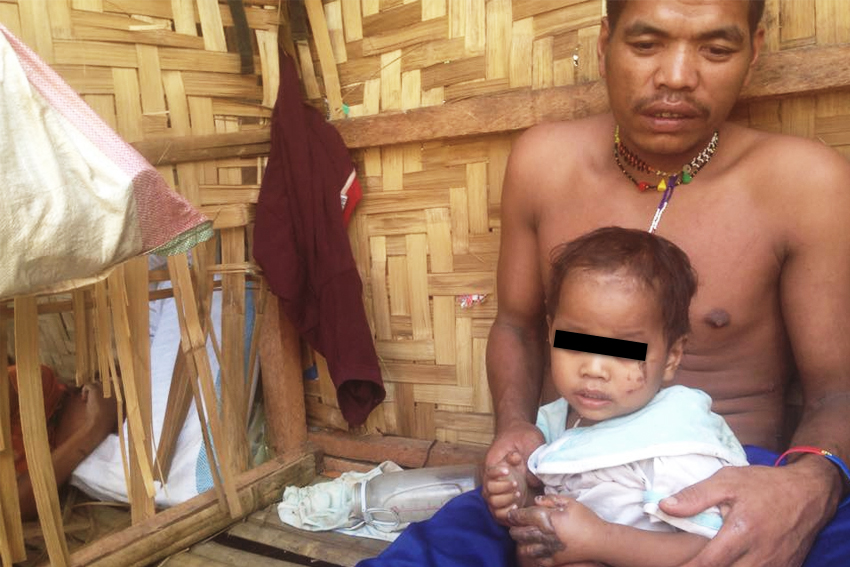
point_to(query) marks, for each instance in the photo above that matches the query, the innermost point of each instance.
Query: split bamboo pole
(11, 538)
(193, 345)
(34, 427)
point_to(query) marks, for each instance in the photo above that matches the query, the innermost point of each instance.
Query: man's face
(612, 306)
(674, 69)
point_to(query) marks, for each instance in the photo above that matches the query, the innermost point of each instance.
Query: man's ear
(602, 45)
(758, 42)
(674, 358)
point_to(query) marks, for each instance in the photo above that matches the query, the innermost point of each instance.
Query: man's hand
(556, 531)
(770, 515)
(505, 486)
(521, 440)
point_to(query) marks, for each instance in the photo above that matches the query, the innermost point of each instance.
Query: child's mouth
(594, 398)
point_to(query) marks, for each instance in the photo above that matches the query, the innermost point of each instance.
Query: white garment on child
(622, 467)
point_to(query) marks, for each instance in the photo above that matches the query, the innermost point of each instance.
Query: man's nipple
(717, 318)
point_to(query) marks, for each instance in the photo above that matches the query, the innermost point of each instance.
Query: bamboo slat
(12, 540)
(323, 45)
(140, 438)
(136, 285)
(84, 370)
(34, 428)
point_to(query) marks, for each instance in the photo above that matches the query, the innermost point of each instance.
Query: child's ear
(674, 357)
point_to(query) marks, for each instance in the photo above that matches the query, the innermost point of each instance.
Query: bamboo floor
(259, 540)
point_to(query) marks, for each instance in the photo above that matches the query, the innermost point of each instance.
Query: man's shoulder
(569, 132)
(557, 146)
(782, 151)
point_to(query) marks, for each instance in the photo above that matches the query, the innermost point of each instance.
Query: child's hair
(653, 261)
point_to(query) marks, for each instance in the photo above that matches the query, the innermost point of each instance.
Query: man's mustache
(677, 99)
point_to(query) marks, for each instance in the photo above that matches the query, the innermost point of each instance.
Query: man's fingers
(695, 498)
(553, 500)
(533, 516)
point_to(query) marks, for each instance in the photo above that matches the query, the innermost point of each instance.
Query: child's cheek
(636, 378)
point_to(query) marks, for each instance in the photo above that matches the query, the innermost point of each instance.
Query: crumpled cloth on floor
(328, 505)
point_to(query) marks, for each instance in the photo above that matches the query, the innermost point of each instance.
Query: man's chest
(732, 249)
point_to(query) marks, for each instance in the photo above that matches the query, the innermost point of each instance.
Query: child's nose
(596, 366)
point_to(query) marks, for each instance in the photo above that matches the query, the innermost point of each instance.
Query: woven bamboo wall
(427, 229)
(153, 70)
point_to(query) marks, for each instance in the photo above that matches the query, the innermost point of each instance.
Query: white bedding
(101, 474)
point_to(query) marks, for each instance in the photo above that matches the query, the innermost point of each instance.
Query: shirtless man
(765, 225)
(764, 222)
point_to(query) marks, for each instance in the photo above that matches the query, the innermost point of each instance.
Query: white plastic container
(391, 501)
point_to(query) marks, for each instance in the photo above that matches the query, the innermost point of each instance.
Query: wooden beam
(403, 451)
(780, 74)
(179, 527)
(803, 71)
(179, 149)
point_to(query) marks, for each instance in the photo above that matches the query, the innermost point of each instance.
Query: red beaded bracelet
(817, 451)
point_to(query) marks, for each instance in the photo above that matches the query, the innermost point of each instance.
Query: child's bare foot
(89, 411)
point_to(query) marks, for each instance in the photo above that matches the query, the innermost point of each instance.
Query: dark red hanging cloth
(301, 243)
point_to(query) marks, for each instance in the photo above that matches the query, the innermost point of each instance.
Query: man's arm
(774, 514)
(87, 419)
(517, 341)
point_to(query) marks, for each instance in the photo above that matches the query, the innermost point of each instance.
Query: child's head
(623, 284)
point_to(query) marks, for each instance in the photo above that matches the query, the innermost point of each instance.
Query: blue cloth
(464, 534)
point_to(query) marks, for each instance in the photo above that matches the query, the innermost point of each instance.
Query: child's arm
(506, 487)
(559, 530)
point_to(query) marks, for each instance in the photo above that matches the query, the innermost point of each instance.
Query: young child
(617, 441)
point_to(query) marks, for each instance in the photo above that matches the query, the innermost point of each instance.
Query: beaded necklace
(669, 181)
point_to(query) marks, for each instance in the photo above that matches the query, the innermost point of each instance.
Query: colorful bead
(666, 186)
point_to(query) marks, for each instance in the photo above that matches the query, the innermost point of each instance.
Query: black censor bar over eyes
(600, 345)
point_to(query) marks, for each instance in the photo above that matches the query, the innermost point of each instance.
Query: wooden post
(283, 385)
(232, 363)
